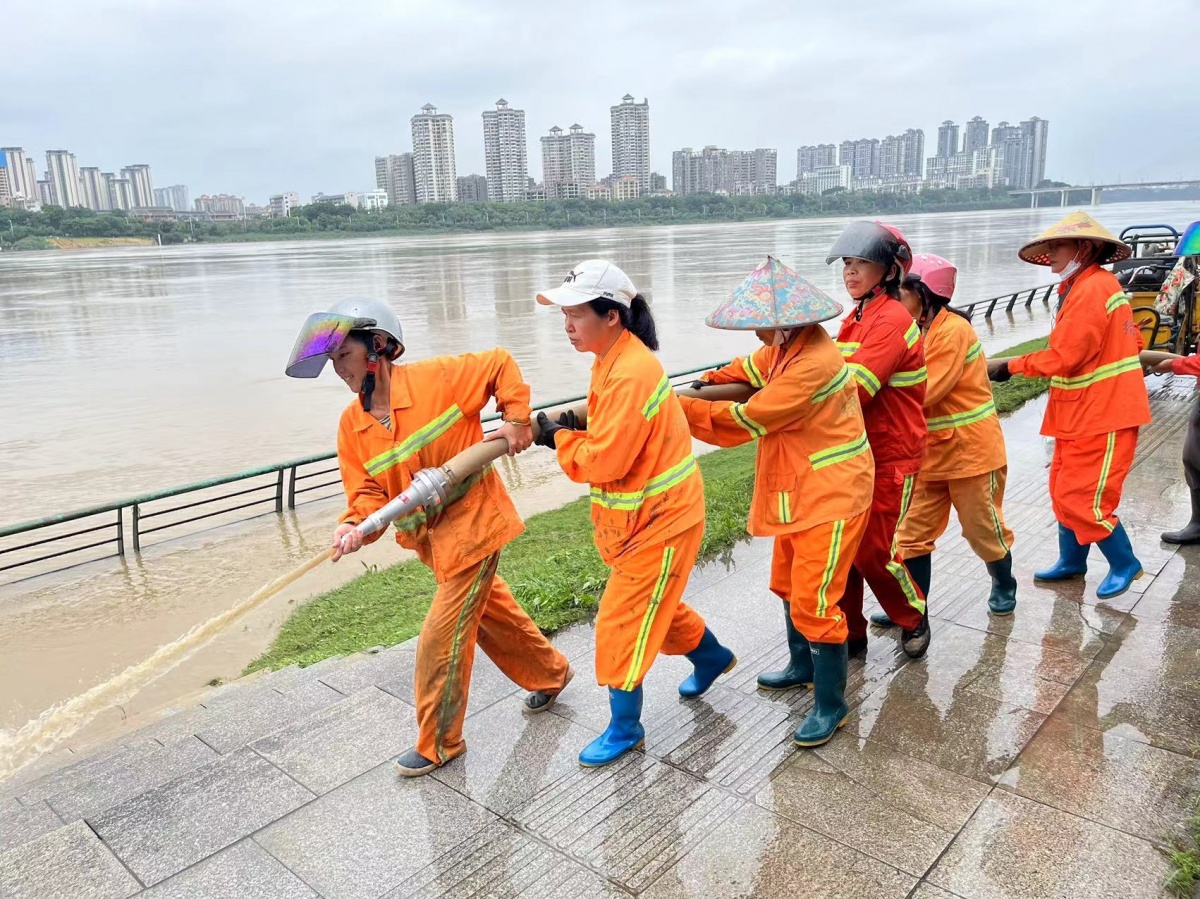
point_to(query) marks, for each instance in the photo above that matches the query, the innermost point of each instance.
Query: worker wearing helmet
(415, 416)
(813, 473)
(882, 346)
(1097, 398)
(965, 465)
(647, 499)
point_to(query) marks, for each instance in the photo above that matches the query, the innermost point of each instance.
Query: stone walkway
(1052, 753)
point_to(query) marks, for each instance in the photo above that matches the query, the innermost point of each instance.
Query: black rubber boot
(799, 672)
(1004, 586)
(920, 569)
(829, 711)
(1190, 535)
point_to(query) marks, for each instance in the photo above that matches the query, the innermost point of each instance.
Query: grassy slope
(553, 568)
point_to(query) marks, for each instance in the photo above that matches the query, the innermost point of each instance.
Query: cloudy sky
(258, 97)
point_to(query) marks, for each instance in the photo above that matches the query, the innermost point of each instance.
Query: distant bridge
(1096, 190)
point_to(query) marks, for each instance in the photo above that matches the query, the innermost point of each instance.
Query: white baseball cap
(592, 279)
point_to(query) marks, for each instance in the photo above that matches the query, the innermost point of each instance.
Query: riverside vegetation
(553, 568)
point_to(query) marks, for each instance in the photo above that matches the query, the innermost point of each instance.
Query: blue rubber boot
(920, 568)
(1004, 586)
(1072, 559)
(830, 662)
(799, 672)
(711, 660)
(624, 732)
(1123, 566)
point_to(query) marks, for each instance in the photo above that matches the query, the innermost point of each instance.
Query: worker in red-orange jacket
(813, 473)
(406, 418)
(882, 346)
(1097, 398)
(965, 464)
(647, 499)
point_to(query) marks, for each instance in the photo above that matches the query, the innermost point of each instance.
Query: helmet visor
(862, 240)
(322, 334)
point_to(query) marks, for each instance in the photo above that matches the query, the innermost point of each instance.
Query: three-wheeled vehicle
(1161, 278)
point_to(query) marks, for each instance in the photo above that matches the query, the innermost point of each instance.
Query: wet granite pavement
(1052, 753)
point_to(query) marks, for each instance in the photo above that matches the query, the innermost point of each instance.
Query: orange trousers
(977, 499)
(474, 606)
(1086, 477)
(878, 561)
(809, 570)
(641, 613)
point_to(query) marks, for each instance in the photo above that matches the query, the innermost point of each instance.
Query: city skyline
(271, 117)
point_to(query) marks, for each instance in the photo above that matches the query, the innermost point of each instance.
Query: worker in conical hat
(405, 418)
(813, 472)
(647, 499)
(1097, 397)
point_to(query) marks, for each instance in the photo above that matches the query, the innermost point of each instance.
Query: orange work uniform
(965, 464)
(435, 406)
(647, 510)
(886, 356)
(813, 472)
(1097, 400)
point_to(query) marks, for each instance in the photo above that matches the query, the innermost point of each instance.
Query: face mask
(781, 336)
(1072, 268)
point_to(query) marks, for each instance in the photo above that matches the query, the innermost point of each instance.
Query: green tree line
(32, 229)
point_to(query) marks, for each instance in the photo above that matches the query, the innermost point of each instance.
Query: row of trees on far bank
(22, 229)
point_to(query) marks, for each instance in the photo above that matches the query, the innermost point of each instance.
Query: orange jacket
(435, 408)
(887, 358)
(814, 464)
(636, 453)
(1189, 365)
(1096, 382)
(965, 438)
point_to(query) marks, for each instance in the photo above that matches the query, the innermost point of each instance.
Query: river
(134, 369)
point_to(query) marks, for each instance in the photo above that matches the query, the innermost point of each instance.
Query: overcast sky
(258, 97)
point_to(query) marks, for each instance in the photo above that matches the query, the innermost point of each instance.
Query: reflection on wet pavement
(1053, 753)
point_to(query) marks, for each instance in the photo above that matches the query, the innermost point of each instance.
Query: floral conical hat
(773, 296)
(1076, 226)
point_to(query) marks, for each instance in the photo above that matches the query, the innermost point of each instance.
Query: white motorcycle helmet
(324, 332)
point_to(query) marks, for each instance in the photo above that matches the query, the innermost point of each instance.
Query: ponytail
(636, 318)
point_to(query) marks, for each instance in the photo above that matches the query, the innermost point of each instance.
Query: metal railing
(271, 488)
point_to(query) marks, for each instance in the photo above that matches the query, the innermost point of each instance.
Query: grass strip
(1184, 859)
(553, 568)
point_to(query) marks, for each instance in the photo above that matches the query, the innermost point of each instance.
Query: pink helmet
(935, 273)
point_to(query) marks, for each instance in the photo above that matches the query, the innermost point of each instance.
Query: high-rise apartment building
(947, 139)
(5, 194)
(975, 136)
(46, 192)
(93, 191)
(22, 180)
(504, 152)
(815, 156)
(140, 183)
(221, 204)
(914, 152)
(631, 141)
(475, 189)
(62, 172)
(395, 175)
(1035, 132)
(715, 170)
(433, 156)
(173, 197)
(568, 162)
(862, 156)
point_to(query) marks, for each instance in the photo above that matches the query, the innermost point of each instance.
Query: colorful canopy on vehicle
(1189, 244)
(773, 296)
(1076, 226)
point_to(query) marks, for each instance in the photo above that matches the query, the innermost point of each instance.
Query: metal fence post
(137, 537)
(291, 497)
(120, 532)
(279, 493)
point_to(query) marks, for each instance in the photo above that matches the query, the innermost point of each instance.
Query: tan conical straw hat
(1076, 226)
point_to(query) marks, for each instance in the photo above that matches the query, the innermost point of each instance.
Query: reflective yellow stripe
(639, 648)
(1116, 301)
(839, 381)
(417, 441)
(1105, 467)
(996, 522)
(785, 507)
(865, 377)
(912, 335)
(839, 453)
(656, 399)
(959, 419)
(453, 693)
(909, 378)
(974, 352)
(738, 411)
(753, 373)
(1103, 373)
(848, 349)
(611, 499)
(835, 551)
(898, 570)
